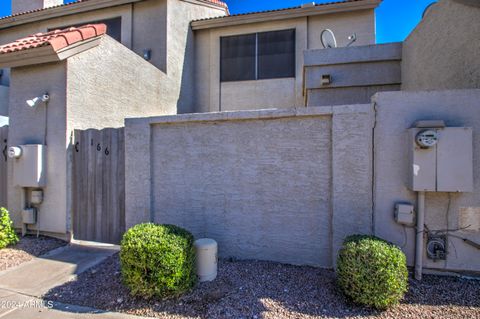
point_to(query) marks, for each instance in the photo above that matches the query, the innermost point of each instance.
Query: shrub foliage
(372, 272)
(7, 233)
(157, 260)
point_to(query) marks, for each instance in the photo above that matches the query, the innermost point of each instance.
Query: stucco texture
(396, 112)
(109, 83)
(265, 184)
(356, 73)
(442, 52)
(27, 126)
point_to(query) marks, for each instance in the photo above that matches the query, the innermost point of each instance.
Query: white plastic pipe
(420, 231)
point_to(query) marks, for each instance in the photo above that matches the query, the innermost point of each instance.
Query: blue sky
(395, 18)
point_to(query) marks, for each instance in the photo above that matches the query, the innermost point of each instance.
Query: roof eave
(60, 11)
(46, 54)
(284, 14)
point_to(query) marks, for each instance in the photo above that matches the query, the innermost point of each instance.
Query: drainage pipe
(419, 234)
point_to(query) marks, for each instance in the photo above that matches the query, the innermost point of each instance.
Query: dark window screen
(114, 27)
(237, 58)
(276, 54)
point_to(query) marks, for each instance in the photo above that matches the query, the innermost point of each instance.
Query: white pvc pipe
(419, 235)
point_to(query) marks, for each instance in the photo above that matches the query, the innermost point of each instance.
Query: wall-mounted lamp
(33, 103)
(147, 54)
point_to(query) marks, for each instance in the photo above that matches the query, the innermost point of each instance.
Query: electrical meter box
(405, 214)
(29, 165)
(441, 159)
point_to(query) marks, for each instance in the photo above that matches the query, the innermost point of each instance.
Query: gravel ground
(253, 289)
(27, 248)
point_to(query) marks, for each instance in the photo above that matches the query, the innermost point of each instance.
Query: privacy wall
(272, 185)
(290, 185)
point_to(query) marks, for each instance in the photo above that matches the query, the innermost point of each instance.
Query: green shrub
(372, 272)
(157, 260)
(7, 233)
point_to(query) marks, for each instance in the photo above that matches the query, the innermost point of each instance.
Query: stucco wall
(396, 112)
(110, 83)
(442, 52)
(265, 184)
(356, 72)
(343, 25)
(27, 126)
(181, 46)
(211, 95)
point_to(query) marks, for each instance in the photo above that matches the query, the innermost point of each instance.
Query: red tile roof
(215, 2)
(58, 39)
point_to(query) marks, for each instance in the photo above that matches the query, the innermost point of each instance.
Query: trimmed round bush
(157, 260)
(7, 233)
(372, 272)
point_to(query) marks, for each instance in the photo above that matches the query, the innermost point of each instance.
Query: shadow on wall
(251, 288)
(185, 103)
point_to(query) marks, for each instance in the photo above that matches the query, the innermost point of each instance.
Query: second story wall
(211, 94)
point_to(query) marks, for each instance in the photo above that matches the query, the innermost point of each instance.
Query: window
(257, 56)
(114, 27)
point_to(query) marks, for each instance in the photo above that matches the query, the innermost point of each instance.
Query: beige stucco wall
(356, 72)
(442, 52)
(109, 83)
(270, 184)
(27, 126)
(181, 54)
(211, 95)
(396, 112)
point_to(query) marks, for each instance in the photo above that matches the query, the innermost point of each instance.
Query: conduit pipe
(420, 231)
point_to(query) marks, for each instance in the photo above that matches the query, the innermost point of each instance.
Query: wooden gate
(3, 165)
(99, 185)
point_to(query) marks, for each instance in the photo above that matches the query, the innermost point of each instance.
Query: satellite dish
(328, 39)
(428, 9)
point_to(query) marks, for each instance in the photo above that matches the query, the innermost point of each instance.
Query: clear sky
(395, 18)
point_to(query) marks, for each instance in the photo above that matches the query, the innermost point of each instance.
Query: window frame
(257, 64)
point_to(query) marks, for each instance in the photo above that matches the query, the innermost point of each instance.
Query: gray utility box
(446, 166)
(29, 168)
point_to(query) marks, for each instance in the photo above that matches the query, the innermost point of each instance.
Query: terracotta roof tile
(215, 2)
(58, 39)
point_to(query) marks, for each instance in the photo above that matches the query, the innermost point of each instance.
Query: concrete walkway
(21, 287)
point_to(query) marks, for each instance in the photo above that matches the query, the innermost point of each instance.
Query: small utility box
(29, 166)
(441, 158)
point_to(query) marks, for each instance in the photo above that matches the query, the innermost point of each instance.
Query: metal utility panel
(455, 160)
(444, 167)
(29, 169)
(423, 165)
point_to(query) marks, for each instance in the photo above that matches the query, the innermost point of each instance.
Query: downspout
(419, 235)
